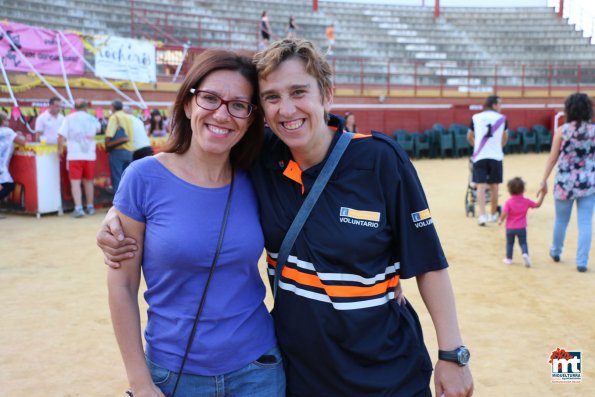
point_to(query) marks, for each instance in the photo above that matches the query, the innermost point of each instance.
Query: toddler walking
(515, 213)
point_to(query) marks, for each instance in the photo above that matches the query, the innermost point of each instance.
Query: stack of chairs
(544, 138)
(444, 140)
(405, 140)
(528, 139)
(461, 145)
(513, 145)
(422, 144)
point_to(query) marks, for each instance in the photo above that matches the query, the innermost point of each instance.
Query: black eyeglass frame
(251, 106)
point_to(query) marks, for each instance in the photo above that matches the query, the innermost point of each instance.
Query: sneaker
(493, 218)
(556, 258)
(90, 211)
(78, 213)
(507, 261)
(481, 221)
(581, 269)
(527, 260)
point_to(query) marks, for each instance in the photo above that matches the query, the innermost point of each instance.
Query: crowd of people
(572, 153)
(127, 139)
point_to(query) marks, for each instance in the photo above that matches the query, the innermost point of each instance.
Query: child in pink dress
(515, 213)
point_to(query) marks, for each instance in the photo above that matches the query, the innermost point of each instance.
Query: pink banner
(40, 47)
(16, 113)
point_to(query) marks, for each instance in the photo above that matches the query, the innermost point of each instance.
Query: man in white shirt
(488, 133)
(48, 123)
(79, 129)
(140, 141)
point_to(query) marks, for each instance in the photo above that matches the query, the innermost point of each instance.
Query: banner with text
(125, 59)
(40, 47)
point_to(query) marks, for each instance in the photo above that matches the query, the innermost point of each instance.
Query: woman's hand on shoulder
(111, 240)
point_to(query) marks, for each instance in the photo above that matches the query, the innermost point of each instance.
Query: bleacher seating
(441, 47)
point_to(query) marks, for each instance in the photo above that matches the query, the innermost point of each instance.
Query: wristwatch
(460, 355)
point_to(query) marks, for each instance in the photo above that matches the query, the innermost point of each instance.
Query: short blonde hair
(316, 65)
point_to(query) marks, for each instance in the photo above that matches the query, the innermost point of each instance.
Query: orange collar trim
(294, 172)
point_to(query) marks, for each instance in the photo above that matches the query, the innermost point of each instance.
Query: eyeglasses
(209, 101)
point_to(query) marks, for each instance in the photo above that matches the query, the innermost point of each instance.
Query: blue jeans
(119, 159)
(257, 379)
(7, 187)
(585, 207)
(510, 235)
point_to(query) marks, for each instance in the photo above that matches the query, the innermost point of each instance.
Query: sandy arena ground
(57, 338)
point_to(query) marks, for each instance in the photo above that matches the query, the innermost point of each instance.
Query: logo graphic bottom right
(566, 366)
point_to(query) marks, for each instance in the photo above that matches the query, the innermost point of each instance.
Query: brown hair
(244, 153)
(578, 107)
(491, 101)
(316, 65)
(516, 186)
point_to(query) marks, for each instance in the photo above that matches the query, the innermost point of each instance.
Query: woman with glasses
(175, 206)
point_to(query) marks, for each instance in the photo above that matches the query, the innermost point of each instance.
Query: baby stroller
(471, 194)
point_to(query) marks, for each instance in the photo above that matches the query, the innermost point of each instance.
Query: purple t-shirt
(182, 228)
(517, 207)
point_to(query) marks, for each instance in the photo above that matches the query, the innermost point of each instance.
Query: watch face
(463, 356)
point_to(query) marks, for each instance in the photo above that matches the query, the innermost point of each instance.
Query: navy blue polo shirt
(337, 322)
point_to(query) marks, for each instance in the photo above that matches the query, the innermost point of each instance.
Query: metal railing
(200, 31)
(395, 78)
(364, 76)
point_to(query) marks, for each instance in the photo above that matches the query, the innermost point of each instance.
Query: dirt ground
(57, 340)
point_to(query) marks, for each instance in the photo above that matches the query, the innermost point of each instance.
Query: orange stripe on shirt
(340, 291)
(271, 261)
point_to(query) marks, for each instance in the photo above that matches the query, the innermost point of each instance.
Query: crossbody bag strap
(204, 293)
(308, 204)
(488, 135)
